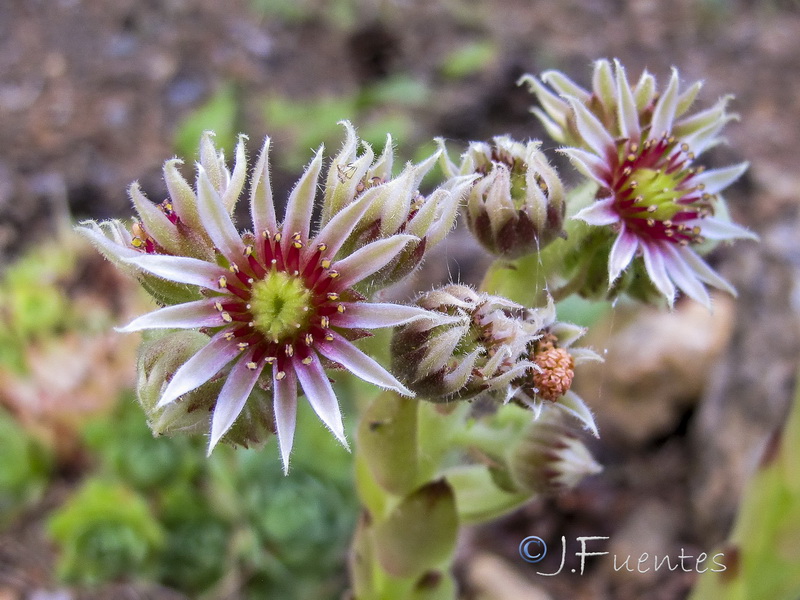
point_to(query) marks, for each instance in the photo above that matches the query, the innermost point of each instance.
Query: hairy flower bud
(476, 352)
(550, 457)
(395, 205)
(516, 206)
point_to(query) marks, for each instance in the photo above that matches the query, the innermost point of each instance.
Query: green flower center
(280, 305)
(656, 192)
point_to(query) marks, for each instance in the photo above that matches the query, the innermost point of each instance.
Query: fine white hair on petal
(216, 219)
(715, 180)
(684, 277)
(262, 207)
(703, 271)
(627, 112)
(191, 315)
(301, 203)
(589, 164)
(200, 368)
(664, 111)
(285, 407)
(621, 254)
(321, 396)
(574, 405)
(591, 129)
(232, 398)
(601, 212)
(180, 269)
(373, 315)
(654, 264)
(369, 259)
(354, 360)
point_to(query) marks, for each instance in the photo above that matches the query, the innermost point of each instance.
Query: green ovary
(279, 303)
(659, 190)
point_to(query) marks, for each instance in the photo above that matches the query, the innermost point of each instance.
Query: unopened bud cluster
(492, 346)
(516, 206)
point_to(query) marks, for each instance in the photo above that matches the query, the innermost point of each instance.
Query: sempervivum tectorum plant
(516, 206)
(278, 304)
(394, 205)
(640, 146)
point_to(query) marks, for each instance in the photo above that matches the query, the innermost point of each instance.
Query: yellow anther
(280, 375)
(289, 350)
(248, 250)
(226, 317)
(277, 237)
(242, 345)
(223, 282)
(329, 337)
(252, 366)
(309, 339)
(234, 268)
(270, 360)
(325, 322)
(307, 360)
(218, 306)
(333, 296)
(651, 222)
(340, 308)
(322, 247)
(229, 336)
(333, 274)
(137, 242)
(326, 263)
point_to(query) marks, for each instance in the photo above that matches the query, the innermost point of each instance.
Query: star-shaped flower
(279, 303)
(641, 148)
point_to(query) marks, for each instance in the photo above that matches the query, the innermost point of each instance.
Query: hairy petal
(262, 209)
(179, 269)
(599, 213)
(621, 254)
(361, 365)
(232, 398)
(654, 264)
(369, 259)
(191, 315)
(373, 315)
(216, 219)
(285, 407)
(321, 396)
(301, 203)
(200, 368)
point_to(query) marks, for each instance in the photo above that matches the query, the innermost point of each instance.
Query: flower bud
(550, 457)
(159, 359)
(516, 206)
(475, 352)
(395, 205)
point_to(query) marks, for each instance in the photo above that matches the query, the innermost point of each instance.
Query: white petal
(664, 111)
(574, 405)
(210, 161)
(190, 315)
(232, 398)
(654, 264)
(684, 277)
(686, 98)
(320, 395)
(262, 207)
(627, 112)
(339, 228)
(285, 407)
(644, 91)
(565, 86)
(703, 271)
(717, 229)
(236, 183)
(556, 108)
(589, 164)
(184, 200)
(358, 363)
(599, 213)
(592, 131)
(603, 83)
(216, 219)
(301, 203)
(716, 180)
(621, 254)
(373, 315)
(201, 367)
(180, 269)
(369, 259)
(156, 223)
(113, 250)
